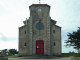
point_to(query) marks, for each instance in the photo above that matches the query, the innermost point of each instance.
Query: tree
(13, 51)
(5, 51)
(74, 39)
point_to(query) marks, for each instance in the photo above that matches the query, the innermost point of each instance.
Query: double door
(39, 47)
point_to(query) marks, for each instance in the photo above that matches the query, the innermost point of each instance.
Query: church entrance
(39, 47)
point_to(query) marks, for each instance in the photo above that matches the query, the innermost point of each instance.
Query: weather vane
(39, 1)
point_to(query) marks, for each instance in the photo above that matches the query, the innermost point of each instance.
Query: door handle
(37, 46)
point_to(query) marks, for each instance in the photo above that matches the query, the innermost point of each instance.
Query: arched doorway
(39, 47)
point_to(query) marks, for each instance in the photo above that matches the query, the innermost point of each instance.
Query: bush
(2, 56)
(78, 54)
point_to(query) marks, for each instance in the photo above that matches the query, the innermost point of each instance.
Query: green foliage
(13, 56)
(13, 51)
(68, 54)
(78, 54)
(74, 39)
(5, 50)
(2, 56)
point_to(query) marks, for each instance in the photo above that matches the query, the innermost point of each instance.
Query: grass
(69, 54)
(13, 56)
(63, 54)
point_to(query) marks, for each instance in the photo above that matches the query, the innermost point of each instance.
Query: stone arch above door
(40, 36)
(37, 37)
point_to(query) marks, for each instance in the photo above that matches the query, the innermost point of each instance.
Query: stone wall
(46, 34)
(75, 58)
(43, 34)
(3, 58)
(57, 39)
(30, 36)
(23, 40)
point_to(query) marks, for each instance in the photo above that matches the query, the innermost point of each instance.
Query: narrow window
(54, 43)
(25, 44)
(25, 31)
(54, 31)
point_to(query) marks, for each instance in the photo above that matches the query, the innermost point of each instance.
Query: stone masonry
(49, 32)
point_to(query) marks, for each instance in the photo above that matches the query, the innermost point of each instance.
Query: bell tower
(40, 25)
(39, 10)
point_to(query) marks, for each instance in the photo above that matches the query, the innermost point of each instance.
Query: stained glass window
(39, 26)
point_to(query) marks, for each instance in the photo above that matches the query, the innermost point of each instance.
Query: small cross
(39, 20)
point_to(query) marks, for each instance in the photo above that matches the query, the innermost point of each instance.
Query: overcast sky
(14, 12)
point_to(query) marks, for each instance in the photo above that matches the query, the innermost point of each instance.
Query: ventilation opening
(25, 31)
(54, 44)
(54, 31)
(25, 44)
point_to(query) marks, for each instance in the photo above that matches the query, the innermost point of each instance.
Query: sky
(14, 12)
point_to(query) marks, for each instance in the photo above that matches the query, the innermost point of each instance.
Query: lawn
(63, 54)
(68, 54)
(13, 56)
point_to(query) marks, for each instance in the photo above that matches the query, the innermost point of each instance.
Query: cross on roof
(39, 21)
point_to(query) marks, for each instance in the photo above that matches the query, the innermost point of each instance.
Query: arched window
(25, 44)
(54, 31)
(54, 44)
(25, 31)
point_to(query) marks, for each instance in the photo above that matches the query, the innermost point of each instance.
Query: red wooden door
(39, 47)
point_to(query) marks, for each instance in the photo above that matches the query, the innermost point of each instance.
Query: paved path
(56, 58)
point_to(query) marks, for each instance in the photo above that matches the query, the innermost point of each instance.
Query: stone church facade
(40, 34)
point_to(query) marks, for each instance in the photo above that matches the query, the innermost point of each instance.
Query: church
(39, 34)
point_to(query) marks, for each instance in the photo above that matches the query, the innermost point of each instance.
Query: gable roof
(39, 5)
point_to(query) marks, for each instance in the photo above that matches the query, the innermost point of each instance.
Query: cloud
(9, 45)
(10, 21)
(4, 38)
(66, 13)
(14, 12)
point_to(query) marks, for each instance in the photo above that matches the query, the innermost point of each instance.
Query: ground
(40, 58)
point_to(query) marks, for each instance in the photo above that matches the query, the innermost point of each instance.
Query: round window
(39, 26)
(39, 10)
